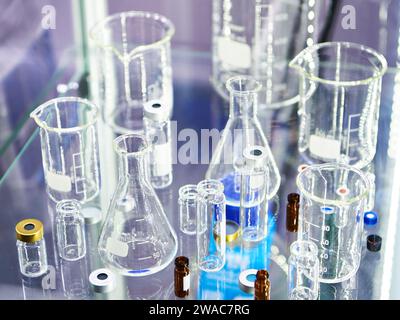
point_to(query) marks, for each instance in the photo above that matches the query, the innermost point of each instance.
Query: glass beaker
(258, 38)
(242, 130)
(70, 152)
(134, 63)
(340, 91)
(137, 238)
(333, 198)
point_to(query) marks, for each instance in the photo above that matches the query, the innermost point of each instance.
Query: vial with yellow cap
(31, 248)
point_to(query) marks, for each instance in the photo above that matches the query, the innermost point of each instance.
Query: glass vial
(31, 248)
(292, 212)
(158, 132)
(182, 277)
(188, 208)
(262, 286)
(303, 271)
(253, 195)
(211, 226)
(70, 230)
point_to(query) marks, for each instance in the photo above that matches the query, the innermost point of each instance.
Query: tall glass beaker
(134, 63)
(258, 38)
(241, 131)
(340, 91)
(137, 238)
(333, 198)
(70, 155)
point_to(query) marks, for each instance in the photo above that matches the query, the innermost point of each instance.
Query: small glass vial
(211, 226)
(303, 271)
(70, 230)
(292, 212)
(182, 277)
(188, 208)
(157, 128)
(31, 248)
(262, 286)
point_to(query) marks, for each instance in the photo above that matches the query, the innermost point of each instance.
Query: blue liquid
(232, 195)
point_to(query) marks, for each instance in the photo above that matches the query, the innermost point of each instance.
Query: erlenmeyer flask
(340, 91)
(133, 58)
(242, 130)
(136, 238)
(68, 135)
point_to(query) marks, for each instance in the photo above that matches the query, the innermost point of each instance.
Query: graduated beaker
(340, 92)
(258, 38)
(333, 198)
(70, 153)
(134, 64)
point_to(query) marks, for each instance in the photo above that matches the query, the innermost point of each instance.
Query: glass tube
(188, 208)
(211, 226)
(70, 230)
(303, 271)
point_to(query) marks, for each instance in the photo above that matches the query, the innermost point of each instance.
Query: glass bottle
(70, 230)
(182, 277)
(137, 238)
(211, 226)
(31, 248)
(262, 286)
(188, 208)
(254, 188)
(158, 131)
(303, 271)
(292, 212)
(243, 129)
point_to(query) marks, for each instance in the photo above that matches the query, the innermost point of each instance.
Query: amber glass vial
(182, 277)
(292, 212)
(262, 286)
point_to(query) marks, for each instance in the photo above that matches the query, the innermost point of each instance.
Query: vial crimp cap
(102, 280)
(156, 111)
(29, 230)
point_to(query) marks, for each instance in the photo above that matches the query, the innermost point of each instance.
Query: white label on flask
(186, 282)
(325, 148)
(233, 54)
(162, 159)
(58, 182)
(116, 247)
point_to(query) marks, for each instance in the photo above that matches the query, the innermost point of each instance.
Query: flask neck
(243, 104)
(133, 167)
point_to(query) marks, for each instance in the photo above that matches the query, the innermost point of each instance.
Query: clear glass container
(303, 271)
(157, 128)
(70, 230)
(253, 195)
(340, 91)
(137, 238)
(211, 226)
(258, 38)
(333, 198)
(70, 151)
(188, 208)
(31, 247)
(133, 58)
(243, 129)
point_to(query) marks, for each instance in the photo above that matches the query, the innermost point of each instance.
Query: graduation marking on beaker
(349, 132)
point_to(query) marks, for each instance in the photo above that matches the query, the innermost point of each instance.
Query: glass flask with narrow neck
(242, 130)
(137, 238)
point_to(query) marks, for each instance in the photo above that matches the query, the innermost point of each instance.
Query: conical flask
(242, 130)
(136, 239)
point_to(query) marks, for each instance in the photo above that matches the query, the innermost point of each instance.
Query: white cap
(92, 215)
(255, 155)
(102, 280)
(244, 283)
(156, 110)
